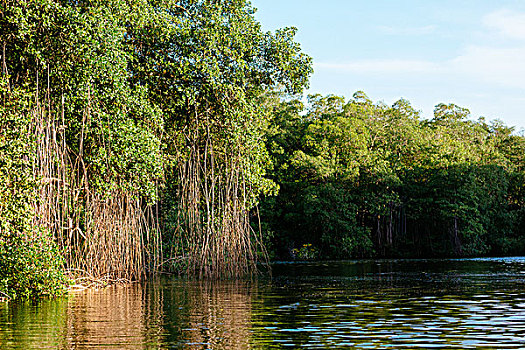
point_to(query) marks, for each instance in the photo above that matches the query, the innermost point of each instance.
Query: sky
(471, 53)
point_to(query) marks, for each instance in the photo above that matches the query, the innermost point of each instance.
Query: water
(471, 303)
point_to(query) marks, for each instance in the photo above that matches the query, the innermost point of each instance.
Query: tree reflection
(158, 314)
(209, 314)
(129, 316)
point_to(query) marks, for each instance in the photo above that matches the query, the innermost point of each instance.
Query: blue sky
(471, 53)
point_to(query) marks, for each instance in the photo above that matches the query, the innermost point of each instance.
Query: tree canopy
(363, 179)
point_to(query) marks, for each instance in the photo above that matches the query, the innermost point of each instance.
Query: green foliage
(306, 252)
(140, 92)
(80, 54)
(360, 179)
(30, 264)
(186, 109)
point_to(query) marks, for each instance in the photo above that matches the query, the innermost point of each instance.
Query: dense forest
(131, 138)
(141, 136)
(363, 179)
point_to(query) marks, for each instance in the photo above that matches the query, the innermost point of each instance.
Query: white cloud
(507, 23)
(491, 64)
(501, 66)
(391, 30)
(497, 63)
(487, 76)
(379, 66)
(504, 67)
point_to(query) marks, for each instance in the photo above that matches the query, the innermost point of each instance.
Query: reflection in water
(157, 314)
(33, 326)
(407, 304)
(124, 316)
(371, 304)
(118, 316)
(214, 315)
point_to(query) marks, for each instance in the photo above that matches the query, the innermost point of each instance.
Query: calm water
(475, 303)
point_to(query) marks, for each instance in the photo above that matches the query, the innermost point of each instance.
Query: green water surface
(419, 304)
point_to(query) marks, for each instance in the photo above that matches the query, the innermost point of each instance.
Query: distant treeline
(363, 179)
(142, 135)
